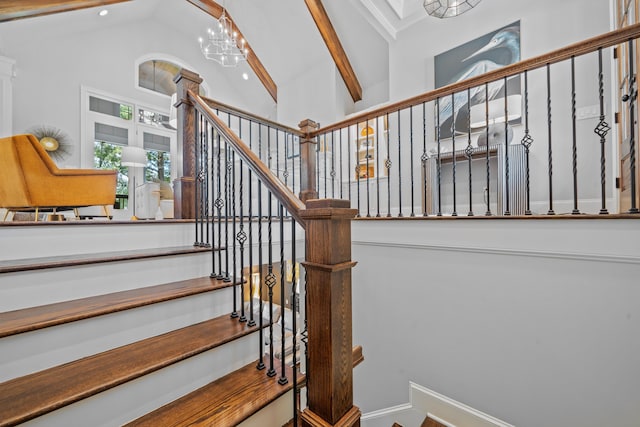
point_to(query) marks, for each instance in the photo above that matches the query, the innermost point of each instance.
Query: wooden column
(308, 161)
(328, 266)
(184, 185)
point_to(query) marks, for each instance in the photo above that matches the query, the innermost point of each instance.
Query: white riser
(129, 401)
(277, 413)
(34, 351)
(39, 287)
(44, 241)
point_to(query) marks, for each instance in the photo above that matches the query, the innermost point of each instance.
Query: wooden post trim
(328, 266)
(184, 185)
(308, 147)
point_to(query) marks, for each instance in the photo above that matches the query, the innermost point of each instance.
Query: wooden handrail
(580, 48)
(225, 108)
(277, 187)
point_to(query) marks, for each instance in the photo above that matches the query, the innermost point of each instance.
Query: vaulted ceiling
(355, 33)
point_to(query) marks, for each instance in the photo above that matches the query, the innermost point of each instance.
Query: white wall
(533, 322)
(52, 63)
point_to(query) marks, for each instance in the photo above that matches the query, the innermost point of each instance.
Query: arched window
(157, 75)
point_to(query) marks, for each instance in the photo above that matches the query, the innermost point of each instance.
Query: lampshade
(133, 156)
(448, 8)
(173, 112)
(496, 111)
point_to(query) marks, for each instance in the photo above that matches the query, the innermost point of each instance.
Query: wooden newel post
(184, 186)
(308, 166)
(328, 266)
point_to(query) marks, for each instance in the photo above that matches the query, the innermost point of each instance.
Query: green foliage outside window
(107, 156)
(126, 112)
(158, 167)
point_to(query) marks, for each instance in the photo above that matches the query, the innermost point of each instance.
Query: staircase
(109, 324)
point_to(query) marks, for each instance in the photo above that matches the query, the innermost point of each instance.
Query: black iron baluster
(424, 158)
(601, 130)
(413, 213)
(632, 97)
(234, 313)
(207, 178)
(439, 159)
(550, 153)
(341, 163)
(260, 364)
(333, 165)
(574, 144)
(270, 281)
(507, 210)
(387, 165)
(454, 164)
(399, 168)
(468, 151)
(358, 166)
(214, 249)
(277, 152)
(324, 150)
(227, 194)
(378, 167)
(241, 236)
(318, 164)
(368, 176)
(283, 379)
(294, 325)
(349, 162)
(252, 321)
(527, 140)
(219, 204)
(488, 164)
(198, 182)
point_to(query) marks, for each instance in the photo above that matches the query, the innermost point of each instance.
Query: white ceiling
(281, 32)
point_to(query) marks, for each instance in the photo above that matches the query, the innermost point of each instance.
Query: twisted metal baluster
(454, 164)
(439, 159)
(550, 153)
(468, 151)
(294, 326)
(632, 97)
(234, 313)
(424, 158)
(212, 137)
(574, 144)
(219, 204)
(260, 364)
(333, 165)
(387, 165)
(527, 140)
(358, 174)
(252, 321)
(283, 379)
(286, 158)
(488, 165)
(270, 281)
(241, 236)
(227, 195)
(601, 130)
(507, 211)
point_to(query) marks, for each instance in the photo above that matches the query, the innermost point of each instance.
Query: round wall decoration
(55, 141)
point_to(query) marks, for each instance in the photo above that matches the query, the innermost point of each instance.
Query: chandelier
(448, 8)
(222, 44)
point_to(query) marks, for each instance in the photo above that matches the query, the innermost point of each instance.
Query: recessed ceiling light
(245, 76)
(103, 12)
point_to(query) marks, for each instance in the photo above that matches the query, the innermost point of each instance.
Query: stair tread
(27, 397)
(33, 318)
(224, 402)
(26, 264)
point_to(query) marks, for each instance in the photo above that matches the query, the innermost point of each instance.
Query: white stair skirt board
(441, 408)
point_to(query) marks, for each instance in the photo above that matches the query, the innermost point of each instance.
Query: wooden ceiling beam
(19, 9)
(215, 10)
(336, 50)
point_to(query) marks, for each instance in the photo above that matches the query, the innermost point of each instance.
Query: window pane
(107, 156)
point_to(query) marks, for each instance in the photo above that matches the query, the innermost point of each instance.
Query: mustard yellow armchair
(29, 179)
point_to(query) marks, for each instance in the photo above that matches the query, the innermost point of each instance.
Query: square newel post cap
(308, 125)
(328, 208)
(187, 75)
